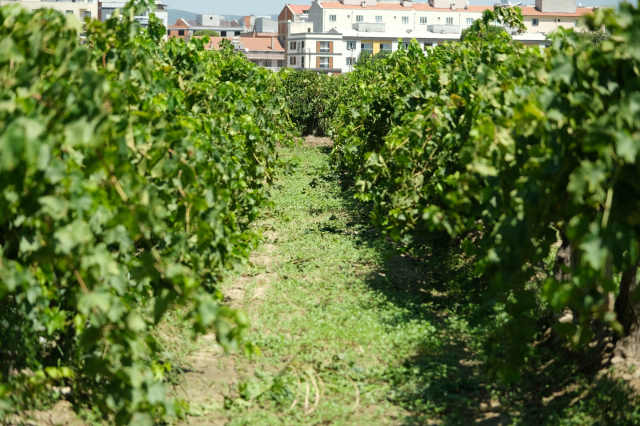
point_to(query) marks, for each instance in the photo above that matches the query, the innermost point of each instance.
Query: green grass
(388, 338)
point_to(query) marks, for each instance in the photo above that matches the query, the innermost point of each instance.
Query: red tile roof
(180, 23)
(299, 8)
(258, 35)
(213, 42)
(532, 11)
(262, 44)
(253, 44)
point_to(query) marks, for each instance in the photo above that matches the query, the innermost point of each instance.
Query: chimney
(272, 43)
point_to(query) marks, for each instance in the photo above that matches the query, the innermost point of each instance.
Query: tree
(491, 29)
(366, 57)
(202, 33)
(595, 37)
(510, 17)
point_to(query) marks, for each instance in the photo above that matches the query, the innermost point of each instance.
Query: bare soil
(313, 141)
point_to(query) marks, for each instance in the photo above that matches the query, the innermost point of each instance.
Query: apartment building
(403, 16)
(107, 9)
(441, 16)
(80, 8)
(320, 52)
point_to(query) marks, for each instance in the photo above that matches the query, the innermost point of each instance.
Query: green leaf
(72, 235)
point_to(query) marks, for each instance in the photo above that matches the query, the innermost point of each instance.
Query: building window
(351, 45)
(181, 32)
(324, 47)
(449, 21)
(267, 63)
(385, 46)
(324, 62)
(280, 64)
(405, 19)
(423, 19)
(333, 18)
(405, 45)
(302, 62)
(535, 22)
(378, 19)
(69, 12)
(576, 23)
(87, 14)
(469, 21)
(359, 18)
(292, 45)
(305, 12)
(351, 61)
(293, 60)
(367, 47)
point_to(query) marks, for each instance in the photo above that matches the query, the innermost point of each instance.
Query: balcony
(369, 27)
(444, 29)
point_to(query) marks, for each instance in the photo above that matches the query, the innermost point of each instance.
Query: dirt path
(347, 330)
(314, 320)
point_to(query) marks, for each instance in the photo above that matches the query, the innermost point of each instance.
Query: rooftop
(182, 23)
(299, 9)
(253, 44)
(526, 10)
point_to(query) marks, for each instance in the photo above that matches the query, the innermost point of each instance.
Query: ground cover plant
(130, 169)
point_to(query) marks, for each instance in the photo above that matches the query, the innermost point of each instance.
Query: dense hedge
(505, 147)
(130, 169)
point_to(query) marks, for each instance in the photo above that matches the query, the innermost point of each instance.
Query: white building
(338, 51)
(322, 52)
(346, 28)
(108, 8)
(370, 15)
(80, 9)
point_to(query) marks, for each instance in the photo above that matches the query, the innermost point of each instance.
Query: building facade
(81, 9)
(320, 52)
(410, 17)
(185, 29)
(107, 9)
(292, 13)
(265, 25)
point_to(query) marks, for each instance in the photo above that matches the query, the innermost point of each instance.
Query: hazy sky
(273, 7)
